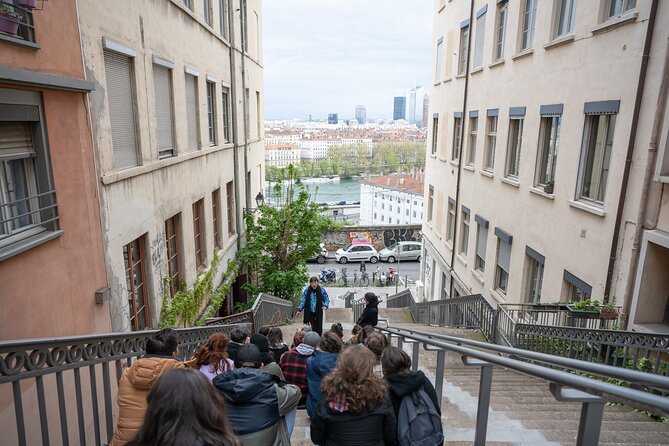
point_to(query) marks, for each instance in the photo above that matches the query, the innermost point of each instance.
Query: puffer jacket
(318, 365)
(133, 388)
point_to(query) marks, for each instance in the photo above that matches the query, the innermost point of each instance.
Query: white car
(402, 251)
(357, 252)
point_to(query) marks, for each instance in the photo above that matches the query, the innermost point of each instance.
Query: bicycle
(364, 279)
(343, 278)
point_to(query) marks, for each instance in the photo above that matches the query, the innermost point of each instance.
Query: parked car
(321, 257)
(357, 252)
(402, 251)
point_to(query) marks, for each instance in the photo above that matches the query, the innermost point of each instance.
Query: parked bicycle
(343, 278)
(364, 279)
(328, 276)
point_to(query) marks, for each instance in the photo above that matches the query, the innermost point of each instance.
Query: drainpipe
(247, 183)
(630, 154)
(647, 184)
(235, 133)
(462, 143)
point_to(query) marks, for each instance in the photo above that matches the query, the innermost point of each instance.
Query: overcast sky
(325, 57)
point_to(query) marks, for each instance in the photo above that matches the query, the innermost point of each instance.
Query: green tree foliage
(280, 238)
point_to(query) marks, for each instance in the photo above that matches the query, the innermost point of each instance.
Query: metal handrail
(270, 310)
(564, 386)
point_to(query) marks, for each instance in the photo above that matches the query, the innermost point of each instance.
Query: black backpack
(418, 422)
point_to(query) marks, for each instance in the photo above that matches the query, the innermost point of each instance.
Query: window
(198, 233)
(481, 242)
(464, 49)
(216, 217)
(230, 200)
(513, 147)
(491, 141)
(28, 209)
(464, 229)
(193, 113)
(211, 112)
(503, 260)
(438, 59)
(617, 7)
(535, 275)
(549, 136)
(162, 87)
(457, 138)
(119, 74)
(435, 129)
(480, 38)
(172, 231)
(577, 289)
(529, 16)
(450, 221)
(21, 18)
(207, 13)
(225, 115)
(135, 278)
(596, 150)
(500, 29)
(258, 117)
(430, 203)
(565, 16)
(188, 4)
(473, 126)
(222, 18)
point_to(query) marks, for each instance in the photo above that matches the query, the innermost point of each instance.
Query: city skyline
(392, 53)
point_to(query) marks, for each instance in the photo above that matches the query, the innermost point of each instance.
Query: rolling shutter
(162, 86)
(120, 95)
(15, 141)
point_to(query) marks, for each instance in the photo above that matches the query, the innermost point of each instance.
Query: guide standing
(313, 301)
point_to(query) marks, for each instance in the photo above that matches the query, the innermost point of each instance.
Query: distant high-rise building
(361, 114)
(426, 106)
(399, 108)
(411, 110)
(333, 118)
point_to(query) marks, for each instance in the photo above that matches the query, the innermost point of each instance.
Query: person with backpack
(414, 400)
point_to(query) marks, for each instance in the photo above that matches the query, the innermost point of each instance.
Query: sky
(325, 57)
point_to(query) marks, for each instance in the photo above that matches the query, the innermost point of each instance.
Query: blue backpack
(418, 422)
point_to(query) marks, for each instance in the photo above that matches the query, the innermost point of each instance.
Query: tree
(280, 238)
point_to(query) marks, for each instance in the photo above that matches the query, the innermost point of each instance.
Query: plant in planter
(9, 20)
(609, 310)
(548, 186)
(584, 308)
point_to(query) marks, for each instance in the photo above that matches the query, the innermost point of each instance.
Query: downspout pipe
(235, 132)
(647, 182)
(462, 143)
(630, 150)
(247, 183)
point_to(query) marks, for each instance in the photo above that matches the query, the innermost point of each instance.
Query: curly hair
(330, 342)
(376, 342)
(353, 382)
(213, 353)
(337, 328)
(298, 338)
(275, 336)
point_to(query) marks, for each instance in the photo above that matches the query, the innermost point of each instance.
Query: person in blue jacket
(322, 362)
(313, 301)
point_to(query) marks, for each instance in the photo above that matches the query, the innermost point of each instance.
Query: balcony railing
(28, 214)
(16, 20)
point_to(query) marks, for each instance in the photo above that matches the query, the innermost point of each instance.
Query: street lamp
(260, 201)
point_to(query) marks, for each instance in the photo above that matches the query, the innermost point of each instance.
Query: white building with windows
(178, 132)
(535, 108)
(395, 199)
(281, 155)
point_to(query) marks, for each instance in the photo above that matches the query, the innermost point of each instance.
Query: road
(410, 269)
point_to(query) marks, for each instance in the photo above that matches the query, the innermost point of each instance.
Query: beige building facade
(541, 116)
(177, 126)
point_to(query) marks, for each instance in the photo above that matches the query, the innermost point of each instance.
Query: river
(343, 190)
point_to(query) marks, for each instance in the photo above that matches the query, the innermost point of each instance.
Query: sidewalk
(337, 294)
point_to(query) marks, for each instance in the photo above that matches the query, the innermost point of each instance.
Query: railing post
(592, 411)
(414, 359)
(485, 387)
(439, 372)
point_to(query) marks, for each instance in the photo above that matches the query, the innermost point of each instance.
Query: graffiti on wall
(380, 237)
(392, 236)
(360, 237)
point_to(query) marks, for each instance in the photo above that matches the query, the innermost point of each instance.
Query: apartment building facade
(178, 136)
(537, 108)
(281, 155)
(395, 199)
(52, 273)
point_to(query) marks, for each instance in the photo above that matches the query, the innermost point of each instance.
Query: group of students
(245, 390)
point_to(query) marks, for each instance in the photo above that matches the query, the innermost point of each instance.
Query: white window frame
(473, 132)
(564, 18)
(534, 280)
(457, 138)
(430, 203)
(528, 17)
(500, 30)
(513, 147)
(600, 163)
(464, 230)
(463, 50)
(212, 130)
(450, 222)
(435, 135)
(547, 149)
(491, 141)
(616, 8)
(439, 60)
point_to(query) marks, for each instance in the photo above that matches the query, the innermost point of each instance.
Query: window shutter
(15, 141)
(120, 95)
(191, 109)
(504, 255)
(480, 38)
(163, 96)
(482, 241)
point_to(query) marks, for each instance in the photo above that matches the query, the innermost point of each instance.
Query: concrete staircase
(522, 411)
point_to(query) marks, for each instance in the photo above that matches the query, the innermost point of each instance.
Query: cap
(312, 338)
(248, 355)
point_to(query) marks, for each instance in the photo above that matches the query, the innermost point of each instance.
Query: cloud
(327, 57)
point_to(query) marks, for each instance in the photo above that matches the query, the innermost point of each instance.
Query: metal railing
(559, 315)
(358, 306)
(647, 352)
(26, 214)
(565, 385)
(49, 382)
(270, 310)
(21, 18)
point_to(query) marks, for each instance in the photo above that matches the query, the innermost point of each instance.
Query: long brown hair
(213, 353)
(353, 382)
(185, 408)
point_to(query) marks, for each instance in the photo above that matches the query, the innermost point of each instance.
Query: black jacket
(401, 385)
(377, 427)
(232, 349)
(369, 316)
